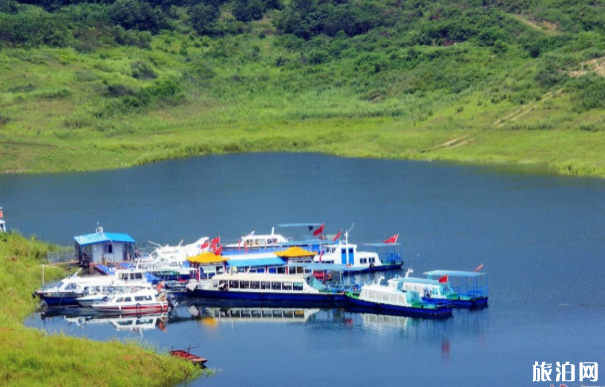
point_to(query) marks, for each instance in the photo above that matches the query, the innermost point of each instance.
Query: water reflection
(67, 318)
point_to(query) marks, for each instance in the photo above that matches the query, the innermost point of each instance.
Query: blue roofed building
(103, 247)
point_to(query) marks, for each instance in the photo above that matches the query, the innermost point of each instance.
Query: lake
(540, 237)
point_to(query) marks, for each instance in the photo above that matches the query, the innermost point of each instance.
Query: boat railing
(391, 258)
(475, 291)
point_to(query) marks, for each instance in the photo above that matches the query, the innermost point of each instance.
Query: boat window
(281, 270)
(299, 313)
(266, 313)
(245, 313)
(372, 294)
(108, 249)
(215, 284)
(372, 260)
(400, 299)
(233, 284)
(276, 285)
(385, 296)
(139, 298)
(393, 298)
(71, 286)
(287, 286)
(244, 284)
(222, 284)
(219, 269)
(127, 299)
(265, 285)
(121, 299)
(277, 313)
(256, 314)
(234, 313)
(254, 284)
(298, 286)
(288, 313)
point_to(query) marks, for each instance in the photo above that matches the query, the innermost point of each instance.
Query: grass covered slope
(490, 81)
(29, 357)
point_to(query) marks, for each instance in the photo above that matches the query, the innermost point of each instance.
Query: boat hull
(443, 312)
(64, 299)
(133, 309)
(319, 298)
(475, 303)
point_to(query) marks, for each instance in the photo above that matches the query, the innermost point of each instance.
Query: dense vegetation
(29, 357)
(133, 81)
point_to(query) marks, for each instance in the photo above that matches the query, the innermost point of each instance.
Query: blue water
(541, 238)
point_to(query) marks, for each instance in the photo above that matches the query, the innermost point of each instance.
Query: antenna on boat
(272, 230)
(347, 233)
(407, 273)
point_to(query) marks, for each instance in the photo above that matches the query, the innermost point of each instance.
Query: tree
(203, 18)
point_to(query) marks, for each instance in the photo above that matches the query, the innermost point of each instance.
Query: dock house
(103, 247)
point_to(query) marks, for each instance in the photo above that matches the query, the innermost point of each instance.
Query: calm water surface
(541, 239)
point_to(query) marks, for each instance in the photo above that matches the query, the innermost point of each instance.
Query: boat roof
(310, 241)
(295, 252)
(256, 262)
(207, 257)
(382, 244)
(415, 280)
(101, 237)
(299, 224)
(259, 277)
(454, 273)
(325, 266)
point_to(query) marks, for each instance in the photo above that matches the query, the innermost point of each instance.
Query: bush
(137, 15)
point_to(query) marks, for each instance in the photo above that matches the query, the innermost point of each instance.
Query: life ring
(371, 265)
(138, 306)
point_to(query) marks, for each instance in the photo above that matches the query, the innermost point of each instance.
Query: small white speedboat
(136, 301)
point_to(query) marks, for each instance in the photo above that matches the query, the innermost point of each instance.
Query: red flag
(215, 241)
(204, 245)
(319, 230)
(337, 236)
(392, 239)
(478, 268)
(219, 250)
(1, 213)
(443, 279)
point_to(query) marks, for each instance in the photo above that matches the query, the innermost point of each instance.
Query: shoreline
(29, 356)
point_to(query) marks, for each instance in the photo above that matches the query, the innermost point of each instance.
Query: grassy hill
(114, 84)
(29, 357)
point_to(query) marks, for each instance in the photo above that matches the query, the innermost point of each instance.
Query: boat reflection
(82, 317)
(221, 312)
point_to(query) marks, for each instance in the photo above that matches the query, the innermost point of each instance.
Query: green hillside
(109, 84)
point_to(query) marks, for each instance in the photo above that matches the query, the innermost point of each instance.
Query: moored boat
(136, 301)
(264, 287)
(469, 289)
(392, 299)
(187, 355)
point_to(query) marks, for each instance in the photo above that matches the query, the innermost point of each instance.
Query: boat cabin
(344, 253)
(103, 247)
(425, 287)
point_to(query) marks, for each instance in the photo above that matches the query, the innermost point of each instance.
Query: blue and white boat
(467, 289)
(393, 299)
(264, 287)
